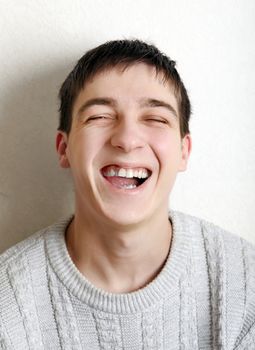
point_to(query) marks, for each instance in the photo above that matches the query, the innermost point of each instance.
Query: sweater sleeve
(246, 339)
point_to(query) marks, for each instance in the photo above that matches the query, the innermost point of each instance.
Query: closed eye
(157, 120)
(99, 116)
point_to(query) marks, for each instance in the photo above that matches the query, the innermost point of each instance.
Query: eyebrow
(107, 101)
(102, 101)
(151, 102)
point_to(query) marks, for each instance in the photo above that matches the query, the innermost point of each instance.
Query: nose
(127, 136)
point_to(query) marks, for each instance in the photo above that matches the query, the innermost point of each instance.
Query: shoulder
(217, 240)
(221, 246)
(27, 255)
(230, 262)
(23, 259)
(29, 245)
(15, 253)
(17, 262)
(230, 259)
(23, 279)
(15, 284)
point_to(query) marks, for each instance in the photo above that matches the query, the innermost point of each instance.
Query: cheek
(84, 151)
(167, 148)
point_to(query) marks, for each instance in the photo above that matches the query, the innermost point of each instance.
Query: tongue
(121, 181)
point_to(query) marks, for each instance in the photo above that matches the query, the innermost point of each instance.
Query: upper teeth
(128, 173)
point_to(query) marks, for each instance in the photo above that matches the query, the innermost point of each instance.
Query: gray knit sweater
(203, 298)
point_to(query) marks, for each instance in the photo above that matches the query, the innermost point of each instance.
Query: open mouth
(125, 178)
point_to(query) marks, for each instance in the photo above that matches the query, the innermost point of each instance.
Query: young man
(123, 272)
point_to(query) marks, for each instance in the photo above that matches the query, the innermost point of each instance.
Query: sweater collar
(155, 292)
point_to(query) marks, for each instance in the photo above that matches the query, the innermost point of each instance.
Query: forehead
(127, 84)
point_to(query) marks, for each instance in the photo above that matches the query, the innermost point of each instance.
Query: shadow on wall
(34, 191)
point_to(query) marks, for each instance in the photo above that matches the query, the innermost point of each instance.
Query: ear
(61, 146)
(185, 152)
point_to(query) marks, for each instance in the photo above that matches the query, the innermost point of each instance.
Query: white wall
(213, 43)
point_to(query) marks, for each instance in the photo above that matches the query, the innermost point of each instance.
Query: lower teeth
(128, 187)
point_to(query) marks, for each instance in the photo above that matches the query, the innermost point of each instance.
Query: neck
(118, 260)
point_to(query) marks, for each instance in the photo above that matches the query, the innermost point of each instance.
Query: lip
(133, 191)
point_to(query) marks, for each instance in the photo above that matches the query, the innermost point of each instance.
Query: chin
(125, 217)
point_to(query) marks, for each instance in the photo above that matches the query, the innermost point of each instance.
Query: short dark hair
(112, 54)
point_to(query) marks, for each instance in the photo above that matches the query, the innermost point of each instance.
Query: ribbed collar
(157, 290)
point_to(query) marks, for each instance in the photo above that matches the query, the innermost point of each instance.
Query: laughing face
(124, 148)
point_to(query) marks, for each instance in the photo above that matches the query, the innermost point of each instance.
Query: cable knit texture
(203, 298)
